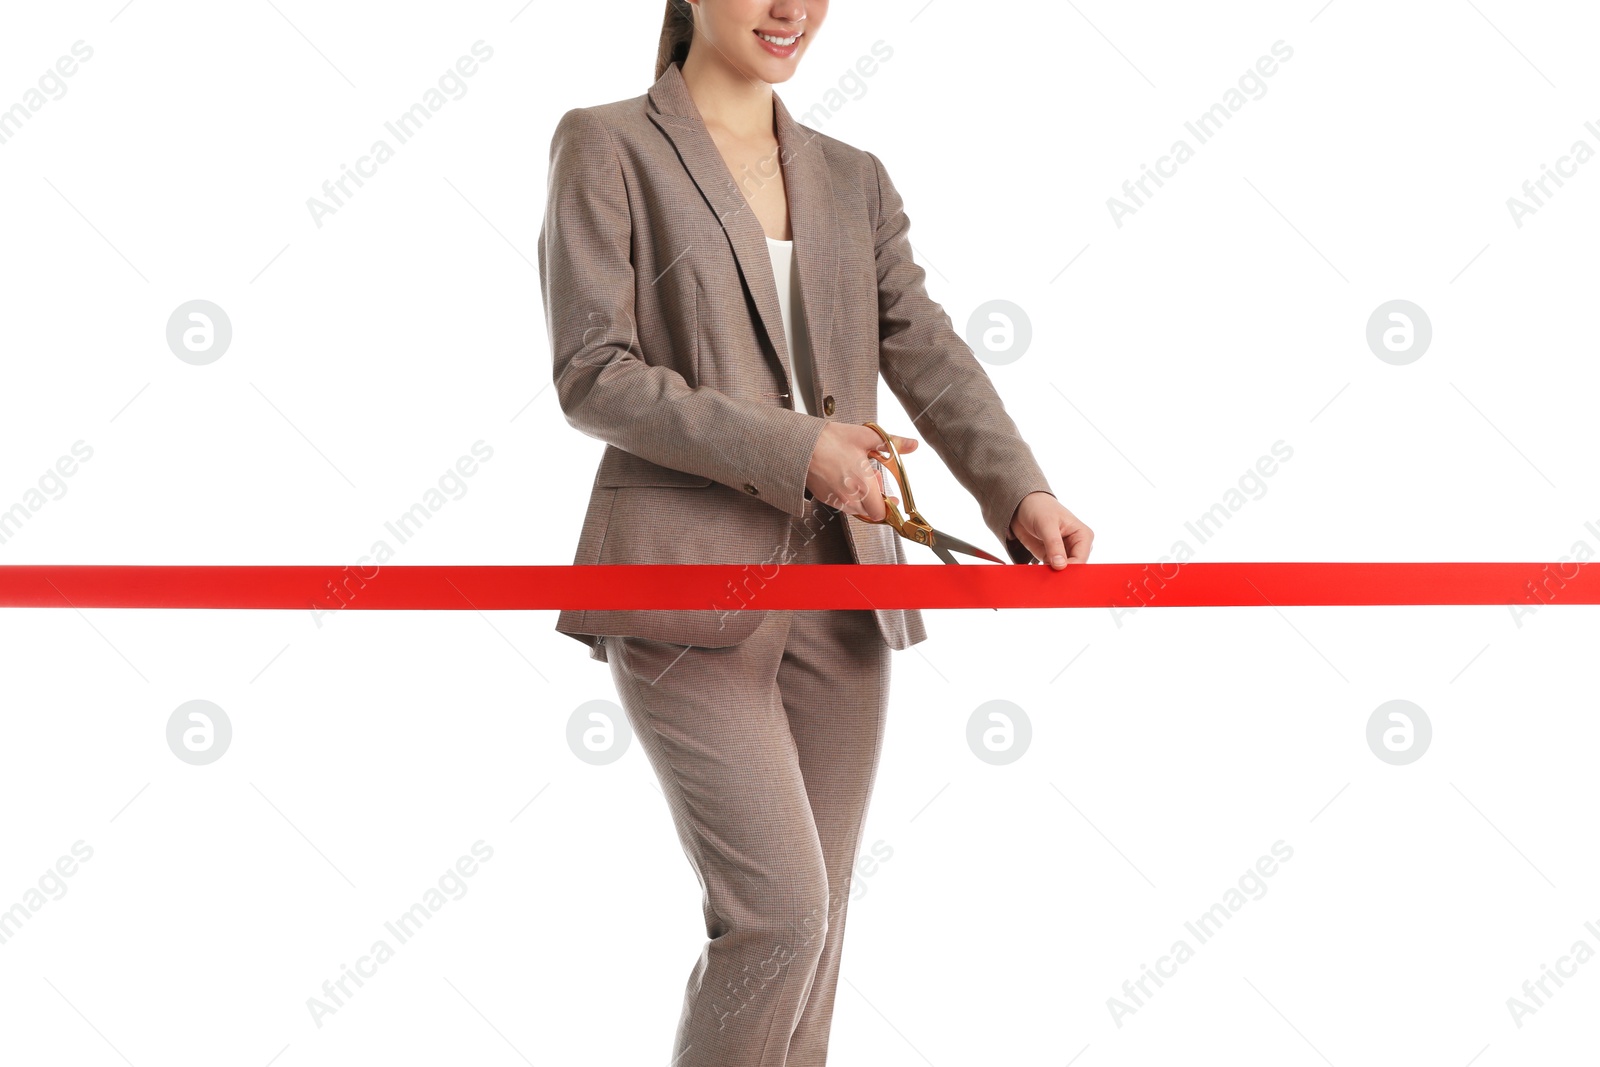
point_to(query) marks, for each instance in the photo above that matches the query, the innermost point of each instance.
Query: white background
(1170, 749)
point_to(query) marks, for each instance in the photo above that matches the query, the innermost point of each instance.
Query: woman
(724, 338)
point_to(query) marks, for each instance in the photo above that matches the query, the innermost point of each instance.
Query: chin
(776, 71)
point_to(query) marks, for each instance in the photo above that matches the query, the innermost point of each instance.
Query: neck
(726, 98)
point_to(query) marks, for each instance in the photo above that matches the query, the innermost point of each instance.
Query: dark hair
(677, 29)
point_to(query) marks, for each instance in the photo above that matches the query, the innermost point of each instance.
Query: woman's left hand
(1051, 532)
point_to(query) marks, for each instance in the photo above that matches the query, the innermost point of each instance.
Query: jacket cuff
(784, 458)
(1018, 552)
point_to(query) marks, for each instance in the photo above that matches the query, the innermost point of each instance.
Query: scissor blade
(944, 540)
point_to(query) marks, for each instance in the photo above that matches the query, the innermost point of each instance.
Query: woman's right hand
(841, 474)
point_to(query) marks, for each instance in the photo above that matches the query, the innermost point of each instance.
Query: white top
(794, 322)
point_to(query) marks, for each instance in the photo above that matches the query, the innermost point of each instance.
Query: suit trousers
(766, 752)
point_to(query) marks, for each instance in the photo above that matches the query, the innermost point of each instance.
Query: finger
(875, 498)
(1079, 540)
(866, 438)
(881, 453)
(1053, 551)
(888, 470)
(864, 496)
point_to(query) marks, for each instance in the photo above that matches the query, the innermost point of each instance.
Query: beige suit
(668, 344)
(764, 727)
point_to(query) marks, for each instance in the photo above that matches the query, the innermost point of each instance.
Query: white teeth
(781, 42)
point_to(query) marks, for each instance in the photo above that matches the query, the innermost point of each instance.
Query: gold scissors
(912, 525)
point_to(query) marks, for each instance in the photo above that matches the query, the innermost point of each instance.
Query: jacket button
(752, 490)
(827, 405)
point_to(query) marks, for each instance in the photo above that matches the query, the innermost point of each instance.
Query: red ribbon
(731, 587)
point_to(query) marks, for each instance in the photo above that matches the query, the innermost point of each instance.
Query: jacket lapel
(809, 187)
(813, 219)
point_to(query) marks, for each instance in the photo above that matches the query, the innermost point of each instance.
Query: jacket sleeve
(604, 381)
(938, 380)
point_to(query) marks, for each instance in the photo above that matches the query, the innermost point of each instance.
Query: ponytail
(677, 30)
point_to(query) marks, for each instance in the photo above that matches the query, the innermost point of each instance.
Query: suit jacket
(667, 343)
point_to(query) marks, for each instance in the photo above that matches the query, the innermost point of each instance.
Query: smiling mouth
(778, 41)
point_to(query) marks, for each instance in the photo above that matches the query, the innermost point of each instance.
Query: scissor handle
(913, 526)
(899, 465)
